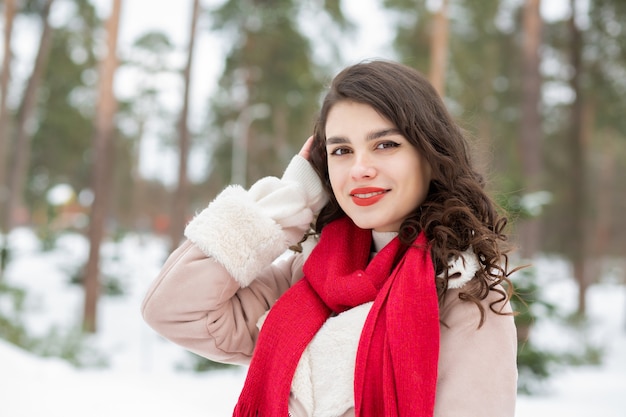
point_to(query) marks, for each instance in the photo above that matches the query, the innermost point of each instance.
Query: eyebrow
(333, 140)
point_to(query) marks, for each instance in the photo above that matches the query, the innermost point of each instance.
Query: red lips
(367, 196)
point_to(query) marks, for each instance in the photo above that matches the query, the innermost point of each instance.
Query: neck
(381, 239)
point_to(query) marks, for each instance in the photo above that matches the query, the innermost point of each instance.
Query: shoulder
(473, 360)
(455, 311)
(468, 344)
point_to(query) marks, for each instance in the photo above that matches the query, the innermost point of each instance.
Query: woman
(394, 305)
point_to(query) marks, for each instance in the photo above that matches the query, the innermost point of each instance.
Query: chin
(377, 226)
(364, 224)
(369, 221)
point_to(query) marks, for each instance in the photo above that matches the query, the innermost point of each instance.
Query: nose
(363, 167)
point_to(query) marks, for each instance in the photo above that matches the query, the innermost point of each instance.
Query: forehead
(351, 118)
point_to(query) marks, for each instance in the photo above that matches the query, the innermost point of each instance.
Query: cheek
(334, 178)
(427, 170)
(337, 179)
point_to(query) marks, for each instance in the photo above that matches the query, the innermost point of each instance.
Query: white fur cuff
(234, 231)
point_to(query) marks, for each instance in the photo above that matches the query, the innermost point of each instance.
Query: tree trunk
(24, 132)
(102, 167)
(605, 193)
(5, 131)
(577, 186)
(530, 128)
(439, 49)
(280, 120)
(5, 78)
(181, 195)
(139, 192)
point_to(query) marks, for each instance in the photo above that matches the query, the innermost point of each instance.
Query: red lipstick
(367, 196)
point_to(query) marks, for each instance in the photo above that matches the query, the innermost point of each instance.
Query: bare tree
(5, 77)
(577, 189)
(439, 49)
(24, 130)
(181, 196)
(530, 126)
(102, 166)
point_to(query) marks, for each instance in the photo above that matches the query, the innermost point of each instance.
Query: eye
(387, 145)
(339, 151)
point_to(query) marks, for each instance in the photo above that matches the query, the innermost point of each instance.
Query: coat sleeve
(212, 290)
(195, 303)
(477, 366)
(246, 230)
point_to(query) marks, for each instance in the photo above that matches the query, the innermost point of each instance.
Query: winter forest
(120, 119)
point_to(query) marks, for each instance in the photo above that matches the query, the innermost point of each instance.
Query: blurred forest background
(543, 100)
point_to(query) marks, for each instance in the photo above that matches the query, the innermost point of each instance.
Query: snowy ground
(144, 377)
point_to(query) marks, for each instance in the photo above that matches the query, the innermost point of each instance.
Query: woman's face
(377, 176)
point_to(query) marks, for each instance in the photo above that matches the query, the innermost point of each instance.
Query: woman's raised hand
(305, 152)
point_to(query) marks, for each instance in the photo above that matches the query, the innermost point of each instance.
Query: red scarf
(397, 356)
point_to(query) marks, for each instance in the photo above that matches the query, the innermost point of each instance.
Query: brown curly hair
(457, 212)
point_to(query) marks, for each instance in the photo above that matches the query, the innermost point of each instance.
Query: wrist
(301, 171)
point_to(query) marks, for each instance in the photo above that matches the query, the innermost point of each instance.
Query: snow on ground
(144, 376)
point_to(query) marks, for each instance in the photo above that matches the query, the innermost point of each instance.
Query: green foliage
(46, 233)
(155, 44)
(536, 364)
(270, 62)
(412, 40)
(110, 284)
(198, 363)
(61, 144)
(602, 96)
(333, 8)
(528, 301)
(12, 326)
(5, 254)
(70, 344)
(112, 270)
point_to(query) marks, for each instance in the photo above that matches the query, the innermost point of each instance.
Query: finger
(305, 152)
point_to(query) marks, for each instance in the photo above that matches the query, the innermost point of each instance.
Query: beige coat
(210, 296)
